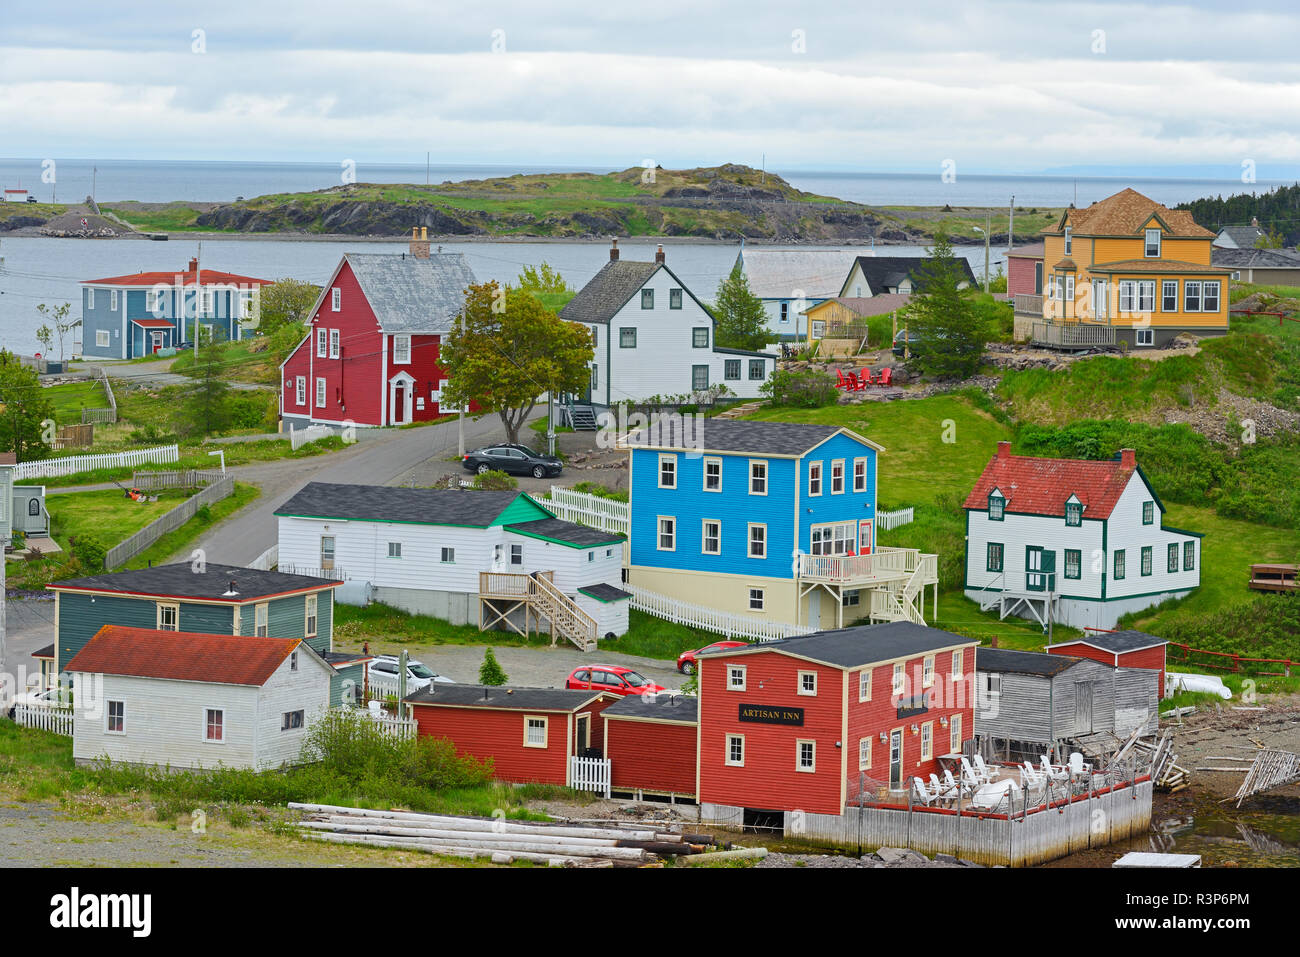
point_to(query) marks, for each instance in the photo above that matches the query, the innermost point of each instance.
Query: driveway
(29, 626)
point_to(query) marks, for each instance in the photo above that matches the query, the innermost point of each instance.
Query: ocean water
(162, 181)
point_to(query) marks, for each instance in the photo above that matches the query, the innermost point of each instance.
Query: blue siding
(173, 304)
(101, 317)
(736, 508)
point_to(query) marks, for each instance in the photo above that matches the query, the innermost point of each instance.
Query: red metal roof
(211, 277)
(182, 655)
(1037, 486)
(154, 323)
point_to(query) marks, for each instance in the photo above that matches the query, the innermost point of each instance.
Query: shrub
(491, 672)
(89, 551)
(808, 389)
(602, 491)
(495, 481)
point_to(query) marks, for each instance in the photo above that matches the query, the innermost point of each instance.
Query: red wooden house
(1025, 271)
(529, 733)
(371, 357)
(653, 737)
(798, 724)
(1120, 649)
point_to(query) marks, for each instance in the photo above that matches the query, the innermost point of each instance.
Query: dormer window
(997, 504)
(1152, 244)
(1069, 240)
(1073, 512)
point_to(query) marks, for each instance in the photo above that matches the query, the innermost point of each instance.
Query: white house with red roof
(372, 354)
(123, 317)
(189, 700)
(1082, 541)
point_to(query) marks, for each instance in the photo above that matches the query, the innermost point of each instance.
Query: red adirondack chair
(841, 382)
(865, 379)
(886, 376)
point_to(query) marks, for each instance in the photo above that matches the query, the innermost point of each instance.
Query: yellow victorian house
(1127, 271)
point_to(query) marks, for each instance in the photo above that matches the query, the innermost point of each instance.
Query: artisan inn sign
(770, 714)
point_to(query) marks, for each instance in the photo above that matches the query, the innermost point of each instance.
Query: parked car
(612, 678)
(906, 341)
(686, 660)
(32, 199)
(513, 460)
(385, 672)
(55, 697)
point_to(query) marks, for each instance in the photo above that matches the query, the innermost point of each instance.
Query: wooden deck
(1275, 578)
(1073, 335)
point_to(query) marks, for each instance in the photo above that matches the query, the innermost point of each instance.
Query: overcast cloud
(992, 86)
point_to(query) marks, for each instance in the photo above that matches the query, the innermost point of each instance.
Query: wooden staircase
(501, 594)
(582, 418)
(563, 613)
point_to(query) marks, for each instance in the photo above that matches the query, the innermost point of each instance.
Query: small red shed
(1025, 270)
(650, 742)
(797, 724)
(529, 733)
(1128, 649)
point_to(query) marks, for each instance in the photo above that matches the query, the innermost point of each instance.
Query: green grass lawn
(109, 515)
(248, 360)
(71, 398)
(176, 544)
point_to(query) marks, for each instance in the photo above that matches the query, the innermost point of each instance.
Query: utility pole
(198, 297)
(426, 168)
(460, 413)
(1011, 222)
(988, 237)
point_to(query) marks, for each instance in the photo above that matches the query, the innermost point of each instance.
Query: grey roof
(857, 646)
(1255, 258)
(608, 291)
(1031, 251)
(411, 295)
(1117, 642)
(603, 592)
(661, 707)
(483, 696)
(182, 581)
(1022, 662)
(571, 533)
(733, 435)
(795, 273)
(1239, 237)
(384, 503)
(883, 272)
(45, 652)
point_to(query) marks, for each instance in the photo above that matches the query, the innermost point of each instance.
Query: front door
(1040, 569)
(157, 338)
(399, 404)
(896, 759)
(1083, 707)
(1101, 300)
(582, 738)
(815, 608)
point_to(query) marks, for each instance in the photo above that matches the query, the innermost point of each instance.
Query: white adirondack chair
(1054, 773)
(969, 776)
(1032, 777)
(1077, 766)
(922, 793)
(990, 774)
(949, 783)
(939, 789)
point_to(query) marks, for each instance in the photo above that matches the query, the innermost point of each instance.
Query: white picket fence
(724, 623)
(267, 560)
(45, 718)
(604, 513)
(590, 774)
(300, 437)
(887, 520)
(401, 728)
(72, 464)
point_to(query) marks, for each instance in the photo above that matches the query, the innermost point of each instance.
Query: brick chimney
(659, 253)
(419, 242)
(194, 264)
(613, 250)
(1004, 450)
(1127, 458)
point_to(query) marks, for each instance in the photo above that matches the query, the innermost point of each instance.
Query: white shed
(188, 700)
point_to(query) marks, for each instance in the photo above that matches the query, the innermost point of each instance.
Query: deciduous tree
(26, 414)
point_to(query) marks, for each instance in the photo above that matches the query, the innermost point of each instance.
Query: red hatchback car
(686, 660)
(612, 678)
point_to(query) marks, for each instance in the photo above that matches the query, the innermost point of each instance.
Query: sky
(988, 87)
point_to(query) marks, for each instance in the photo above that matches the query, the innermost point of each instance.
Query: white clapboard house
(187, 700)
(1083, 541)
(653, 337)
(495, 559)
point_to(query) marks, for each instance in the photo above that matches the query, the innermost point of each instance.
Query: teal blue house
(219, 599)
(775, 520)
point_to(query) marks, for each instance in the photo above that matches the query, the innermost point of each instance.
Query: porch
(1073, 335)
(889, 584)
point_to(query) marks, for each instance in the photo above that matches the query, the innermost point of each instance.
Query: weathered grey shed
(1029, 703)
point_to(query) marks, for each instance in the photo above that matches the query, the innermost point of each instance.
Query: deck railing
(1073, 335)
(1029, 305)
(884, 564)
(606, 514)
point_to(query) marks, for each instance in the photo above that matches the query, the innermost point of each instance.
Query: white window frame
(402, 350)
(668, 459)
(927, 741)
(312, 617)
(108, 717)
(447, 556)
(927, 672)
(704, 536)
(749, 540)
(802, 687)
(954, 734)
(1144, 337)
(300, 389)
(958, 661)
(516, 555)
(736, 677)
(864, 753)
(102, 339)
(860, 474)
(112, 299)
(175, 608)
(666, 523)
(261, 619)
(864, 684)
(1218, 302)
(322, 342)
(1069, 287)
(837, 464)
(392, 553)
(709, 462)
(898, 679)
(90, 298)
(1165, 285)
(799, 745)
(1146, 243)
(320, 392)
(336, 299)
(531, 723)
(757, 599)
(727, 750)
(832, 538)
(334, 344)
(287, 723)
(1069, 239)
(762, 464)
(814, 479)
(207, 724)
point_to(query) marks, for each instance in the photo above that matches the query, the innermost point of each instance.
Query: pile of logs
(503, 841)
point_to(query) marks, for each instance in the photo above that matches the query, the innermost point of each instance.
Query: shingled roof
(1116, 642)
(794, 273)
(863, 306)
(183, 655)
(503, 697)
(885, 272)
(1006, 660)
(417, 506)
(1255, 258)
(409, 294)
(857, 646)
(609, 290)
(182, 580)
(567, 533)
(1126, 214)
(743, 436)
(1041, 486)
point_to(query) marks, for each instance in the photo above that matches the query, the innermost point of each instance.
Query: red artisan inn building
(800, 724)
(371, 356)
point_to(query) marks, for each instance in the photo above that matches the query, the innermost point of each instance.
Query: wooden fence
(102, 416)
(1227, 661)
(590, 774)
(72, 464)
(401, 728)
(312, 433)
(267, 560)
(45, 718)
(171, 521)
(1073, 335)
(183, 478)
(1030, 305)
(887, 520)
(723, 623)
(607, 514)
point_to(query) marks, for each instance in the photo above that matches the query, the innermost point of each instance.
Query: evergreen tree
(491, 672)
(950, 330)
(739, 319)
(206, 407)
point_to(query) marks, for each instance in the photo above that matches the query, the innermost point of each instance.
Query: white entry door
(400, 393)
(815, 608)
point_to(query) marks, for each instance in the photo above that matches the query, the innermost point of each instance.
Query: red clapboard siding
(499, 735)
(769, 778)
(1020, 276)
(1153, 658)
(651, 756)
